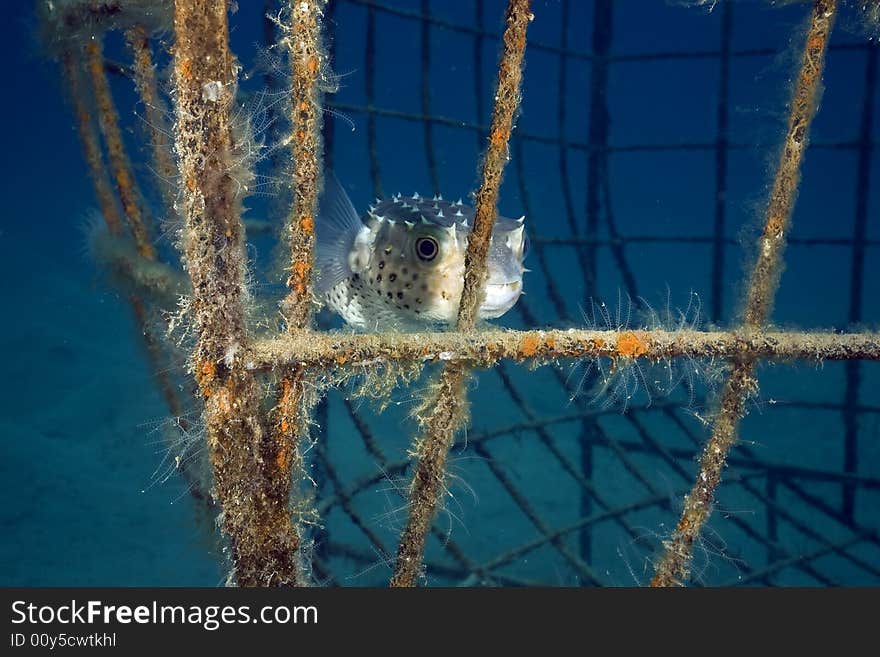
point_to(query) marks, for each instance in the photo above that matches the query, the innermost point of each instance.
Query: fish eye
(427, 248)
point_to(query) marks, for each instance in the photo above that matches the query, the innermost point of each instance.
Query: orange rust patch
(685, 524)
(551, 343)
(285, 425)
(123, 180)
(301, 271)
(774, 227)
(285, 392)
(185, 69)
(224, 401)
(342, 359)
(312, 64)
(632, 345)
(207, 371)
(498, 138)
(308, 224)
(282, 460)
(529, 346)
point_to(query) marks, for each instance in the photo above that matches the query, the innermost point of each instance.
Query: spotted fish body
(402, 265)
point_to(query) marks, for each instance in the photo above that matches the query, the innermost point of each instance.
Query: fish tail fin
(336, 227)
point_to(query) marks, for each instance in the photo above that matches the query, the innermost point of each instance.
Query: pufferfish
(401, 266)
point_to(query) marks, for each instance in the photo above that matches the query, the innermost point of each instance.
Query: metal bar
(307, 61)
(657, 448)
(144, 74)
(91, 146)
(483, 348)
(290, 419)
(108, 119)
(787, 476)
(134, 265)
(673, 567)
(446, 409)
(264, 543)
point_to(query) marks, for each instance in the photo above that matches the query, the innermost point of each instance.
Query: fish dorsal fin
(335, 230)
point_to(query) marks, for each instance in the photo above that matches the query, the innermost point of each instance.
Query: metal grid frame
(584, 239)
(763, 481)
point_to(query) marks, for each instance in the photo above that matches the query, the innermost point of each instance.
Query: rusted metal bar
(153, 277)
(108, 118)
(445, 409)
(307, 63)
(91, 145)
(255, 515)
(290, 417)
(483, 348)
(144, 73)
(673, 567)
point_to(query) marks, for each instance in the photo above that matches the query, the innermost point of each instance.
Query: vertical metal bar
(281, 453)
(446, 409)
(148, 88)
(91, 146)
(157, 356)
(307, 62)
(673, 568)
(108, 119)
(256, 517)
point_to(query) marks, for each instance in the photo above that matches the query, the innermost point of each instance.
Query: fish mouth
(500, 297)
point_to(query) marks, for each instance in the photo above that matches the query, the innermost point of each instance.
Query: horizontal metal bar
(330, 349)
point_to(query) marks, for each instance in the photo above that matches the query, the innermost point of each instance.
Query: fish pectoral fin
(336, 227)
